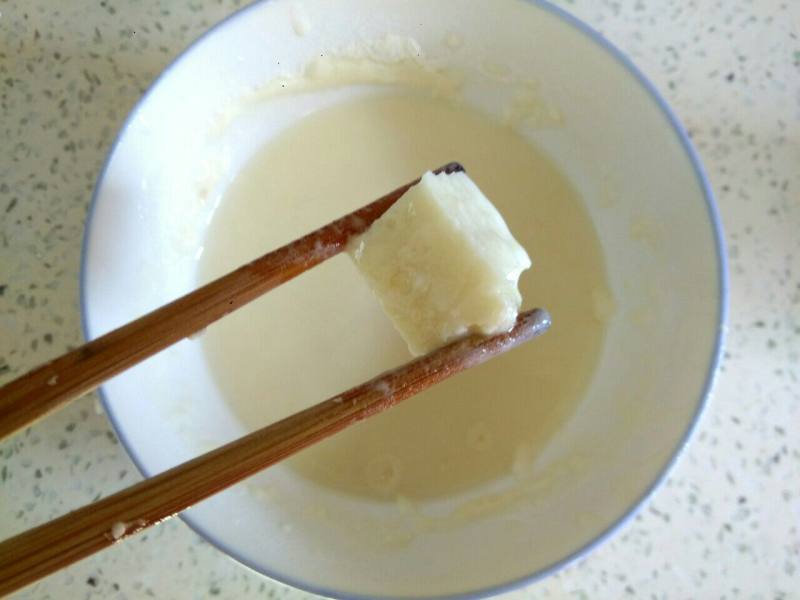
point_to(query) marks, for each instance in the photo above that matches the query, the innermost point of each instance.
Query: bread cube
(443, 263)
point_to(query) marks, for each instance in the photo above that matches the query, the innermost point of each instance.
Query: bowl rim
(631, 511)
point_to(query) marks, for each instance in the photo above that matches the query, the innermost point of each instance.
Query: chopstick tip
(533, 322)
(451, 167)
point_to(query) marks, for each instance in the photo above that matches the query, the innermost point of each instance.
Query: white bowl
(618, 139)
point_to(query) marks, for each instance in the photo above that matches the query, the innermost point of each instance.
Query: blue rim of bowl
(631, 511)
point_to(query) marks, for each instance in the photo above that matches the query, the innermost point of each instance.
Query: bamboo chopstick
(42, 390)
(52, 546)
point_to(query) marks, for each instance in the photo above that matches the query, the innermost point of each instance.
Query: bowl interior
(639, 182)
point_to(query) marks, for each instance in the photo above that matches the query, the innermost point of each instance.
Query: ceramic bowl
(643, 186)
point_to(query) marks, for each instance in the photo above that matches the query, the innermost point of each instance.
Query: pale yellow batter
(325, 332)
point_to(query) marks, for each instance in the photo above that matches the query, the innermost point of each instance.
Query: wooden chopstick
(52, 546)
(40, 391)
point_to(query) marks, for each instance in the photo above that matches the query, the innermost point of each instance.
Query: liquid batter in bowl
(325, 332)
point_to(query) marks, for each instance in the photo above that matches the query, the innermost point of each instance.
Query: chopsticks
(54, 545)
(38, 552)
(44, 389)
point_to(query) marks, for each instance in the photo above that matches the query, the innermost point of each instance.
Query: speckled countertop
(727, 522)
